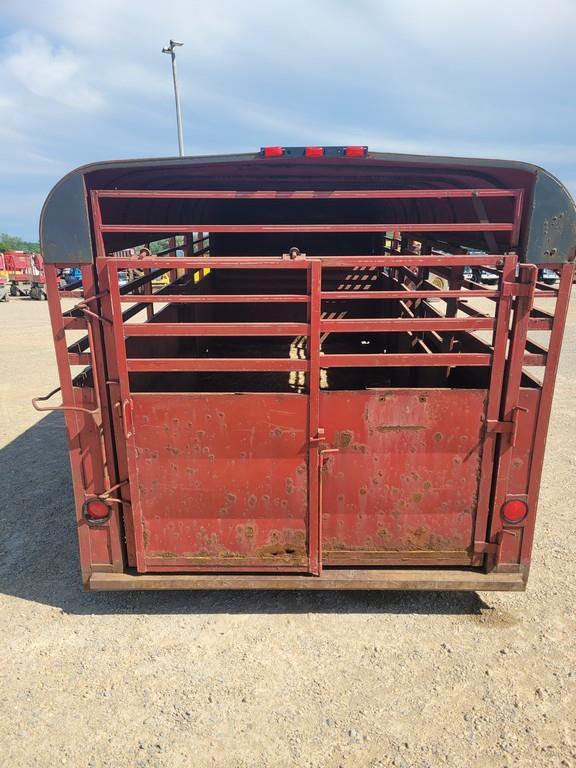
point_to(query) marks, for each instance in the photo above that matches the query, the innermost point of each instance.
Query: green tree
(15, 243)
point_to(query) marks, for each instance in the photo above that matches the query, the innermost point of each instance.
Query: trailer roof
(548, 232)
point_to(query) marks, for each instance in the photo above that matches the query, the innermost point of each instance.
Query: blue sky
(85, 80)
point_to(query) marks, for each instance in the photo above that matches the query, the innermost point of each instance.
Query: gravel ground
(267, 679)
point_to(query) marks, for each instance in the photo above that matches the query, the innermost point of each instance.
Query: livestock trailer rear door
(224, 480)
(410, 469)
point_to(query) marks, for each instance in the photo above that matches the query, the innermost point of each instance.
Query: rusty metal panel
(405, 477)
(221, 480)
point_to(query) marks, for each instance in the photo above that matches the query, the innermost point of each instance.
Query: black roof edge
(65, 235)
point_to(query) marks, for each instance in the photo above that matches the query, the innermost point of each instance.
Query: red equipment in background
(24, 272)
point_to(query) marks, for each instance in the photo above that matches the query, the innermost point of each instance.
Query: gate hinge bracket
(493, 547)
(516, 289)
(485, 548)
(493, 426)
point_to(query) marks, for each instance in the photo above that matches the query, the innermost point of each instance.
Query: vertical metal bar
(109, 475)
(126, 404)
(70, 417)
(495, 395)
(513, 377)
(517, 219)
(545, 406)
(114, 426)
(110, 361)
(314, 275)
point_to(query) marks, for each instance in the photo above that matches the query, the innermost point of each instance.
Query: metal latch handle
(62, 407)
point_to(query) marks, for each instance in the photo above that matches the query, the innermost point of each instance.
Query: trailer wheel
(13, 290)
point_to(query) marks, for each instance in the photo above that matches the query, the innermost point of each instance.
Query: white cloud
(50, 73)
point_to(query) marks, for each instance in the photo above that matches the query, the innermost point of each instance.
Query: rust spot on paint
(363, 491)
(276, 432)
(399, 427)
(427, 485)
(289, 485)
(344, 438)
(417, 498)
(230, 498)
(252, 500)
(438, 436)
(423, 398)
(286, 551)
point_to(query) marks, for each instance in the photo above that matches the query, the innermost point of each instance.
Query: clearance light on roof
(349, 151)
(514, 511)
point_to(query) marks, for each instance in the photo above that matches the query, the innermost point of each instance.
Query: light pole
(170, 49)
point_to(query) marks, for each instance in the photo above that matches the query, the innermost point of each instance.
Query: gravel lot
(267, 679)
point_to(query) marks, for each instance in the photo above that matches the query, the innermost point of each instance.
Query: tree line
(15, 243)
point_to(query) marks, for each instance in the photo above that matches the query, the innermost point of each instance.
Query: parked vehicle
(4, 284)
(481, 275)
(310, 406)
(547, 276)
(24, 273)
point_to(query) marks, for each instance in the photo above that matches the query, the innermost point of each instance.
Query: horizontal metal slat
(269, 298)
(190, 365)
(270, 262)
(536, 360)
(74, 323)
(365, 293)
(539, 324)
(176, 228)
(344, 194)
(79, 358)
(407, 324)
(216, 329)
(405, 360)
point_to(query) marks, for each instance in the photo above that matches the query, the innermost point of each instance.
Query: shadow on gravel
(39, 559)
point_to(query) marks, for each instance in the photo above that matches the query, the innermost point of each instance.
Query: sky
(85, 80)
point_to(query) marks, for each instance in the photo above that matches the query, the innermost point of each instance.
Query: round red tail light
(97, 511)
(514, 511)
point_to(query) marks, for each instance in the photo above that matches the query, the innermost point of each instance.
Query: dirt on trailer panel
(244, 679)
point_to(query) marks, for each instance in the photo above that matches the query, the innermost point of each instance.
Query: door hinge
(493, 426)
(516, 289)
(493, 547)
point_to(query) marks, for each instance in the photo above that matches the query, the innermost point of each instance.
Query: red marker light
(314, 151)
(514, 511)
(273, 151)
(355, 151)
(97, 511)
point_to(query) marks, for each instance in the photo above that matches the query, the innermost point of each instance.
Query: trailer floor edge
(374, 579)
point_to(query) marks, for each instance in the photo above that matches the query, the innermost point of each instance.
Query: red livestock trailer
(322, 396)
